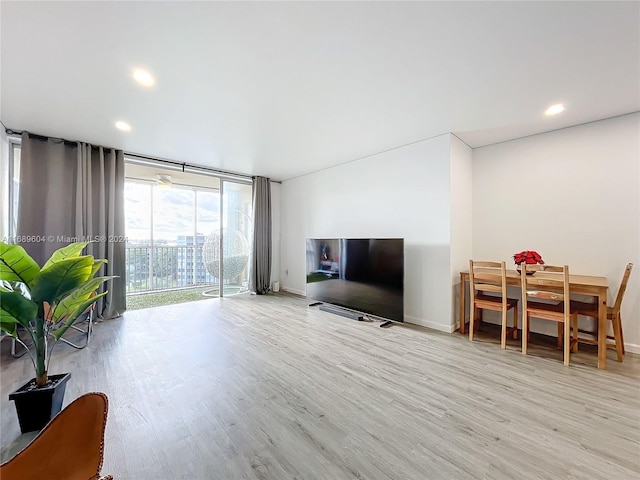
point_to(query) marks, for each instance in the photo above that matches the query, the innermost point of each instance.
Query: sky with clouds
(173, 212)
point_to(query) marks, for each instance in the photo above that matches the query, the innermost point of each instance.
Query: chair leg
(503, 332)
(14, 350)
(472, 320)
(567, 341)
(621, 334)
(574, 338)
(617, 335)
(515, 323)
(525, 332)
(560, 335)
(86, 332)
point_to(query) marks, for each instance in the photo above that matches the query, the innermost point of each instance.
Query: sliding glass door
(187, 236)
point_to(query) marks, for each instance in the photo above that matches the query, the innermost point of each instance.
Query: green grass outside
(168, 297)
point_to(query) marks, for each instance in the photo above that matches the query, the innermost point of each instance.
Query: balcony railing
(165, 267)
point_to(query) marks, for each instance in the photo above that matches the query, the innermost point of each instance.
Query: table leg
(602, 329)
(462, 303)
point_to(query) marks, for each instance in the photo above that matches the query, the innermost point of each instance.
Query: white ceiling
(283, 89)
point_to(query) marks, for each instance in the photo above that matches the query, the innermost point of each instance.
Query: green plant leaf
(16, 265)
(74, 316)
(60, 278)
(70, 251)
(14, 308)
(9, 328)
(96, 265)
(70, 303)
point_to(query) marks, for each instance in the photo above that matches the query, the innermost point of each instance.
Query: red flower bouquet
(529, 257)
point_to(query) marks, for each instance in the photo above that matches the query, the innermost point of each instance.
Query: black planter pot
(36, 406)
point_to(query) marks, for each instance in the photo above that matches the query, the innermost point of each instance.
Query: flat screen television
(361, 274)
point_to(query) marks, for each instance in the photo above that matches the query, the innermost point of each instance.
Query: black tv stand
(386, 324)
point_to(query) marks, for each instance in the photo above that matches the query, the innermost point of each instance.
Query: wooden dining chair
(613, 314)
(556, 304)
(487, 278)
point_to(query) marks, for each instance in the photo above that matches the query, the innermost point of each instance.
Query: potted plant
(45, 302)
(530, 257)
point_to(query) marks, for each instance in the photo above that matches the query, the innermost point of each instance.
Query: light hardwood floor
(264, 387)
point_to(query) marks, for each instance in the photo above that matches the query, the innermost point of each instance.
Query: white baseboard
(302, 293)
(441, 327)
(631, 347)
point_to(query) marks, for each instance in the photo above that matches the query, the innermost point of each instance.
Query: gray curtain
(73, 191)
(260, 265)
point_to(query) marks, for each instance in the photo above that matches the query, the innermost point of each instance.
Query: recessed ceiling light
(124, 126)
(143, 77)
(554, 109)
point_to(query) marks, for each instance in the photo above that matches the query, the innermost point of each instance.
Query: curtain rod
(182, 165)
(195, 168)
(44, 138)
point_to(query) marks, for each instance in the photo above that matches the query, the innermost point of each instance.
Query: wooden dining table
(589, 285)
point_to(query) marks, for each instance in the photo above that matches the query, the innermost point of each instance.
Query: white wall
(573, 195)
(400, 193)
(461, 217)
(4, 183)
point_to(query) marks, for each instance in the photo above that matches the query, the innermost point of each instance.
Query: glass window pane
(137, 212)
(208, 228)
(174, 243)
(237, 220)
(137, 215)
(173, 215)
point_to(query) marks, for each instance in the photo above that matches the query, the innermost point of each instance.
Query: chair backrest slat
(482, 264)
(484, 287)
(623, 286)
(545, 295)
(485, 276)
